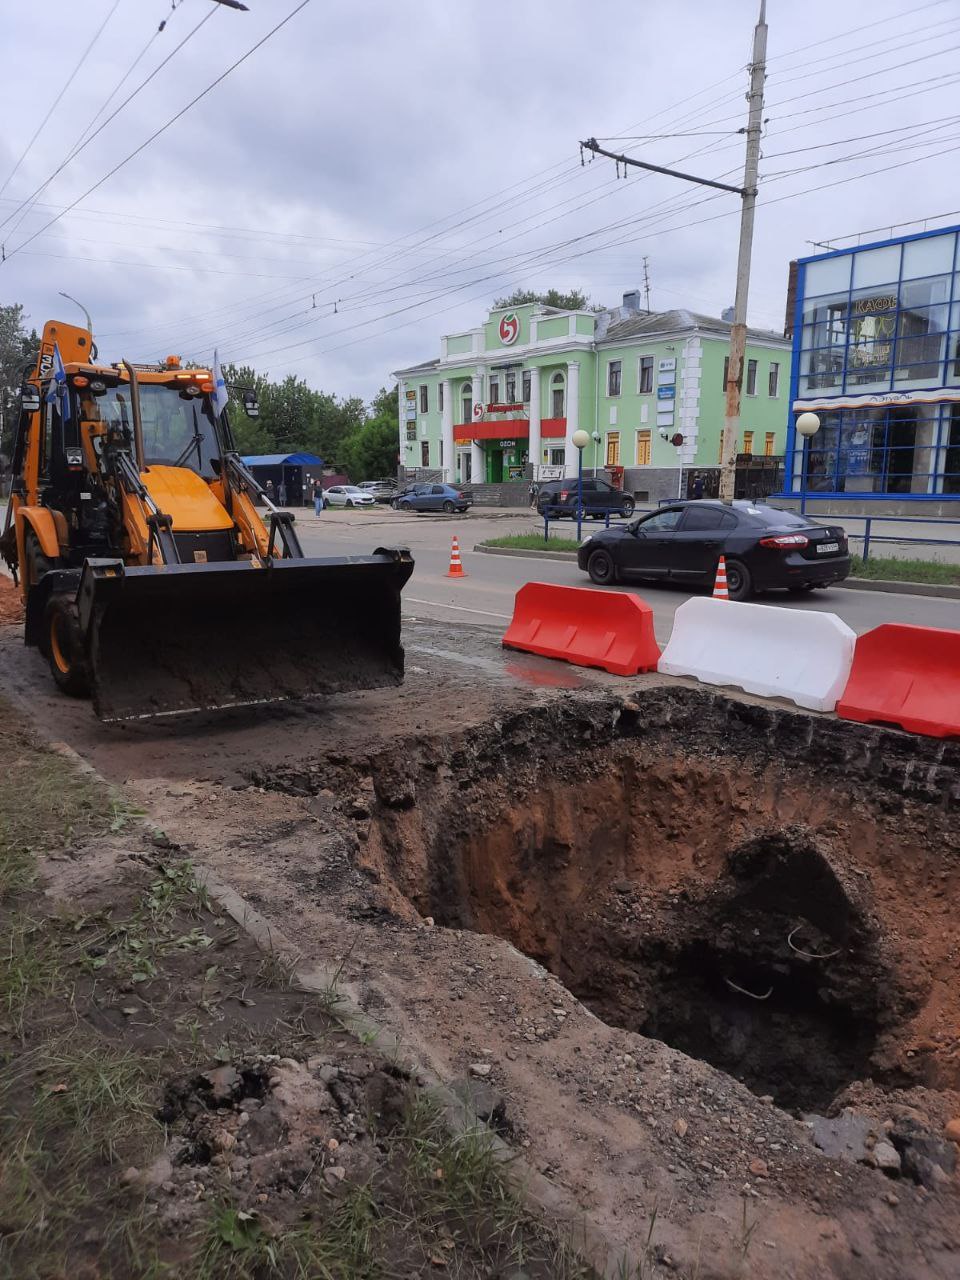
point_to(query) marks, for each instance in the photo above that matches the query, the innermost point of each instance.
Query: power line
(164, 127)
(57, 100)
(72, 155)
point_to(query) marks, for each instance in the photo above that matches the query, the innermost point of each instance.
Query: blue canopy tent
(295, 471)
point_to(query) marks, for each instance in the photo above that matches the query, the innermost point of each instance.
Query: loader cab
(177, 422)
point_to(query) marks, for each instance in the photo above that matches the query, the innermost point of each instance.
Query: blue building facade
(876, 356)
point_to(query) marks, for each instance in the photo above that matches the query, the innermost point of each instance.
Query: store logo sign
(509, 328)
(866, 306)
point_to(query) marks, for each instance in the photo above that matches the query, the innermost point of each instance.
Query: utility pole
(748, 196)
(646, 281)
(738, 330)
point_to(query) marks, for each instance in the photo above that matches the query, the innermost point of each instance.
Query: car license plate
(826, 548)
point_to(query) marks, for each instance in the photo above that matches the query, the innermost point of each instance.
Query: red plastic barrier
(908, 676)
(590, 628)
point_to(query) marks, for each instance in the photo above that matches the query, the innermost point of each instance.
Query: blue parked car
(432, 497)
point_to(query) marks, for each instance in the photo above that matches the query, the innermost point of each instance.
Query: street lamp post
(808, 424)
(580, 440)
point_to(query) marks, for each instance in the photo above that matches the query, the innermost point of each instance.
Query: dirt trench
(776, 904)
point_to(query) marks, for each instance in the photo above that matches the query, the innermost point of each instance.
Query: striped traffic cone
(720, 586)
(456, 568)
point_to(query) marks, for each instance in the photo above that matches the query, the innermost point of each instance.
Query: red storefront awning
(508, 429)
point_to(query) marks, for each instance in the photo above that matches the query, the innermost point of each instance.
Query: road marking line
(459, 607)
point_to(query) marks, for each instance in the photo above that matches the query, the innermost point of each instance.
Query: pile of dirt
(11, 605)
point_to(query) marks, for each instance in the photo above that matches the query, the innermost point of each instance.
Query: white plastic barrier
(799, 654)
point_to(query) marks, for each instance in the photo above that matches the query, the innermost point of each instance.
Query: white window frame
(774, 373)
(640, 390)
(753, 366)
(614, 365)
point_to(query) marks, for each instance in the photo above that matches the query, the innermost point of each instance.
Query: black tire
(405, 506)
(35, 563)
(65, 648)
(628, 508)
(448, 507)
(326, 504)
(349, 504)
(739, 582)
(801, 588)
(601, 568)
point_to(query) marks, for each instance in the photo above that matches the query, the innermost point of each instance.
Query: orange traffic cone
(720, 586)
(456, 568)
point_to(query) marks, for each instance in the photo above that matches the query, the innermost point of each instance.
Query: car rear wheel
(64, 642)
(739, 582)
(601, 568)
(628, 508)
(448, 507)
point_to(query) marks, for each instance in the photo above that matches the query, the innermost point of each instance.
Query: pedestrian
(533, 492)
(317, 497)
(698, 486)
(282, 494)
(269, 490)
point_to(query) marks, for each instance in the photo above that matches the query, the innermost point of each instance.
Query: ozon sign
(509, 328)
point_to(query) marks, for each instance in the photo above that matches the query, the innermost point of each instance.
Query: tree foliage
(18, 348)
(294, 417)
(575, 300)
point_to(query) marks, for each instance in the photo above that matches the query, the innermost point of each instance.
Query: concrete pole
(446, 434)
(570, 451)
(738, 330)
(478, 470)
(534, 447)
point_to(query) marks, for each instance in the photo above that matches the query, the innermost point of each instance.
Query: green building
(503, 400)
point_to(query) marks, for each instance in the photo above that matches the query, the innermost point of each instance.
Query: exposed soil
(171, 1105)
(694, 853)
(11, 605)
(624, 912)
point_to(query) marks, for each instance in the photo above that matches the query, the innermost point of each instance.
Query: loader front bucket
(167, 639)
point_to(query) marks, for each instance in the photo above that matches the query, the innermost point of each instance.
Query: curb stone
(938, 590)
(538, 1193)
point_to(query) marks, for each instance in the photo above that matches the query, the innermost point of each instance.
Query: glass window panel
(876, 266)
(921, 320)
(873, 301)
(928, 257)
(830, 275)
(923, 293)
(825, 319)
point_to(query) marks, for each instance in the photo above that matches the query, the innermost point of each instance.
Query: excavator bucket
(168, 639)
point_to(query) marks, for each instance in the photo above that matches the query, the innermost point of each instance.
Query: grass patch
(889, 569)
(534, 542)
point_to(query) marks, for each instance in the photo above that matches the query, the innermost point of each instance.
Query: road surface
(485, 596)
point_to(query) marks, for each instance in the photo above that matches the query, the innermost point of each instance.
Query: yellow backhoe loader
(149, 578)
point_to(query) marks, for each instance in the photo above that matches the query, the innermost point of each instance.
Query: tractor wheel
(36, 564)
(64, 643)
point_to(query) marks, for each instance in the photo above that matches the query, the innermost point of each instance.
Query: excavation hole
(646, 900)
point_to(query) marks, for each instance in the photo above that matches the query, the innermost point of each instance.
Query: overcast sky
(408, 162)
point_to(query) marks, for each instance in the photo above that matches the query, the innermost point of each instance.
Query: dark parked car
(432, 497)
(763, 546)
(560, 497)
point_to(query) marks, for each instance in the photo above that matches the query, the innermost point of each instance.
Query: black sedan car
(764, 548)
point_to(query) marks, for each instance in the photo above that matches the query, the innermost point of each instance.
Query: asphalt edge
(560, 1209)
(938, 590)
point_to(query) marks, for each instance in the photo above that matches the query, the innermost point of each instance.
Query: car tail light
(564, 494)
(783, 541)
